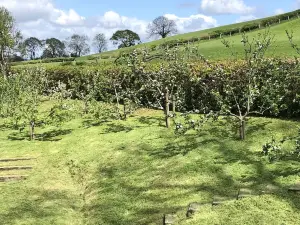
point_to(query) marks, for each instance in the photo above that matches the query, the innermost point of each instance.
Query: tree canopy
(162, 26)
(10, 37)
(125, 38)
(54, 48)
(78, 45)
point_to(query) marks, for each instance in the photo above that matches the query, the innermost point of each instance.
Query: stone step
(295, 188)
(219, 200)
(7, 168)
(244, 193)
(12, 178)
(193, 208)
(170, 219)
(16, 159)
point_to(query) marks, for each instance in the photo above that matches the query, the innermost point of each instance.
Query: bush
(51, 60)
(105, 57)
(250, 27)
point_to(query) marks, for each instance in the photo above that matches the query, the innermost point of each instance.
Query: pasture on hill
(215, 50)
(212, 49)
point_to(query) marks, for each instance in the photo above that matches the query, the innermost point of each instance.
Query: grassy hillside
(214, 49)
(135, 171)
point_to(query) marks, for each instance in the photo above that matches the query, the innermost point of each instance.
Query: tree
(248, 91)
(54, 48)
(9, 39)
(162, 27)
(125, 38)
(32, 45)
(159, 87)
(100, 42)
(78, 46)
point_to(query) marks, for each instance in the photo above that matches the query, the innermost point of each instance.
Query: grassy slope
(214, 49)
(137, 171)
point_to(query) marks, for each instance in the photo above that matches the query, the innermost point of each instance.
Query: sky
(62, 18)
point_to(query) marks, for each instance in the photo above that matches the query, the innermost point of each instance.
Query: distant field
(214, 49)
(211, 49)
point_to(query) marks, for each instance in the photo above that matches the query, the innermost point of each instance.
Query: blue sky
(148, 10)
(62, 18)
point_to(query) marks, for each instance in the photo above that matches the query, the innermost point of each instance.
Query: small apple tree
(253, 88)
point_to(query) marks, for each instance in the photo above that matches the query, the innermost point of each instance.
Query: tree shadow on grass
(94, 123)
(116, 128)
(150, 121)
(124, 195)
(53, 135)
(35, 211)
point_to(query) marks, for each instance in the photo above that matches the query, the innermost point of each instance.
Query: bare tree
(100, 42)
(162, 27)
(78, 45)
(32, 46)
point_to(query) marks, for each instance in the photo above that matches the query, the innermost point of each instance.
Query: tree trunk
(242, 129)
(118, 104)
(32, 126)
(167, 108)
(124, 108)
(85, 107)
(174, 104)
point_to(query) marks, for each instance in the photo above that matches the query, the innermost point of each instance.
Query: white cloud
(226, 7)
(246, 18)
(42, 19)
(69, 18)
(193, 22)
(279, 11)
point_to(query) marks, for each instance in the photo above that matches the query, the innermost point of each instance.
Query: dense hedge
(48, 60)
(285, 72)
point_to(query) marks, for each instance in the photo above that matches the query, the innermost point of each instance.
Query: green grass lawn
(137, 170)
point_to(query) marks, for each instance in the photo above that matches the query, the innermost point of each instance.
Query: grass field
(211, 49)
(214, 49)
(135, 171)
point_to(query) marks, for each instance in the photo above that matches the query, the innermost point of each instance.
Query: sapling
(62, 108)
(33, 84)
(242, 90)
(165, 82)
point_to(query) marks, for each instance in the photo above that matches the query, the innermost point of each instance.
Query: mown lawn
(135, 171)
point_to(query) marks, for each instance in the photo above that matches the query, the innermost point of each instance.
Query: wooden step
(16, 159)
(7, 168)
(12, 178)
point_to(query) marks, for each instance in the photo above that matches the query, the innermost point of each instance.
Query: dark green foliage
(125, 38)
(54, 48)
(277, 150)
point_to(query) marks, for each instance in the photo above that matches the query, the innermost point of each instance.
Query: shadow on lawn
(94, 123)
(116, 128)
(125, 194)
(28, 209)
(53, 135)
(152, 121)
